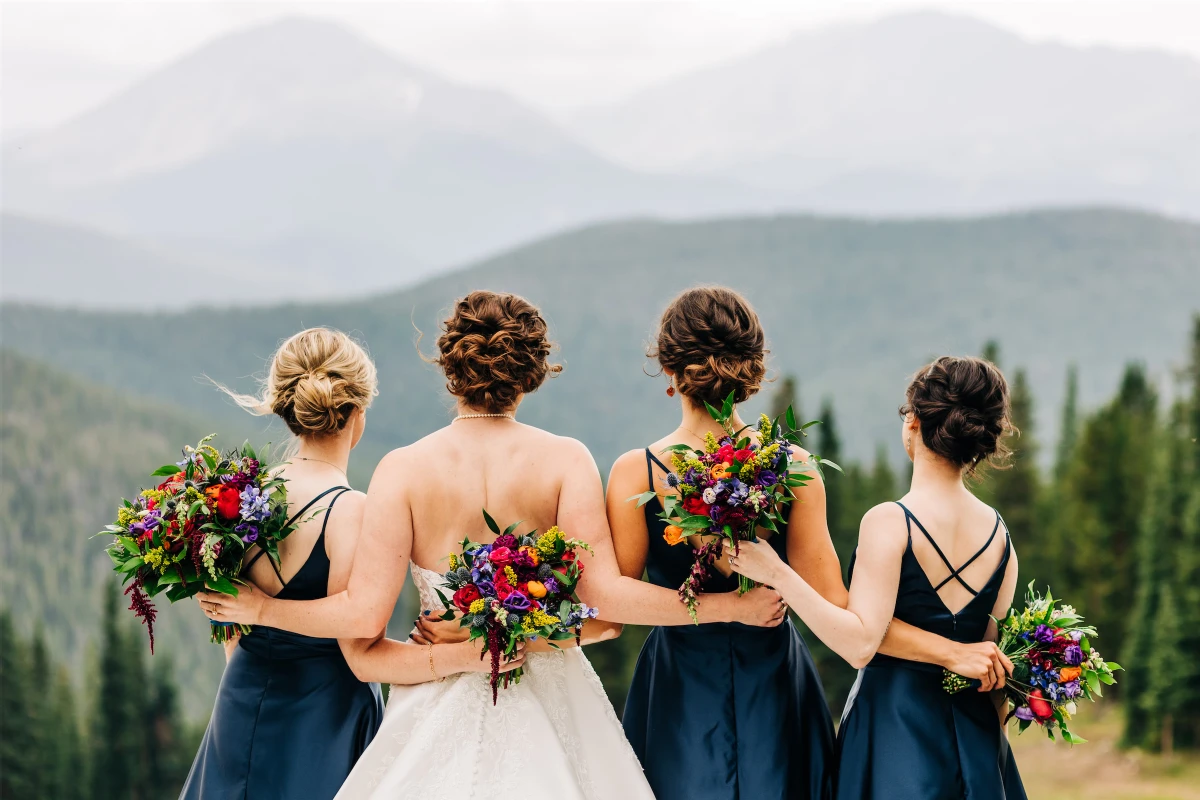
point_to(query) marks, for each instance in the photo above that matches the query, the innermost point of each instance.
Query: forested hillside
(850, 308)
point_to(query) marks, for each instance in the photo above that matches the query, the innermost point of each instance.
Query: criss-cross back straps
(651, 460)
(340, 489)
(955, 573)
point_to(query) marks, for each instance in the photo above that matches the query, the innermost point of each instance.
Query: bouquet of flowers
(731, 488)
(192, 529)
(1054, 665)
(521, 586)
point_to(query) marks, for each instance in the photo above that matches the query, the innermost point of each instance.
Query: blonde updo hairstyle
(711, 340)
(317, 380)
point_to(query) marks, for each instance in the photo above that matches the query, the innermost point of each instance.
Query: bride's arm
(380, 564)
(854, 632)
(621, 598)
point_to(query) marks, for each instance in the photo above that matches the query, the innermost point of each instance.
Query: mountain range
(850, 308)
(307, 162)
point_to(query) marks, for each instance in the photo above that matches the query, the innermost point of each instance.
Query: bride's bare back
(515, 471)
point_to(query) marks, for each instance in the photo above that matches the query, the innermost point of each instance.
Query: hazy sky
(60, 58)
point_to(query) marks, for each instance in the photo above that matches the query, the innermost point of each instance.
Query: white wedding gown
(554, 736)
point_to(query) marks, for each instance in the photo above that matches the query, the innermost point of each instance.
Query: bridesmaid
(941, 560)
(721, 709)
(291, 719)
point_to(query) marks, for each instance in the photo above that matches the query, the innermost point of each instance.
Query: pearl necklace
(483, 416)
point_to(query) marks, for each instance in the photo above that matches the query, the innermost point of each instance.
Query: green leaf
(131, 565)
(727, 406)
(825, 462)
(642, 499)
(491, 523)
(209, 460)
(512, 527)
(222, 585)
(248, 450)
(713, 412)
(790, 418)
(165, 471)
(1071, 738)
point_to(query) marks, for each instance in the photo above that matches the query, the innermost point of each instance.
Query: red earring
(671, 390)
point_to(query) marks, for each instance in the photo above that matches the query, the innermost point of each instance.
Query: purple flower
(1072, 689)
(738, 492)
(719, 513)
(1023, 713)
(505, 540)
(481, 572)
(551, 585)
(485, 587)
(255, 505)
(1043, 634)
(767, 478)
(517, 601)
(1073, 655)
(249, 533)
(691, 477)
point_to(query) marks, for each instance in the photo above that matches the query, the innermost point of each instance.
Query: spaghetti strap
(313, 502)
(955, 572)
(651, 459)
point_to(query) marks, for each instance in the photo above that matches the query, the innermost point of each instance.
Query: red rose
(465, 596)
(501, 556)
(743, 456)
(229, 501)
(569, 558)
(725, 453)
(695, 505)
(503, 590)
(1038, 705)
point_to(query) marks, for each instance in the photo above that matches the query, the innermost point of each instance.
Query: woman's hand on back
(762, 607)
(430, 629)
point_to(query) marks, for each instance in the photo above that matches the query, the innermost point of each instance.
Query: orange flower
(532, 553)
(1068, 674)
(720, 471)
(673, 535)
(536, 589)
(212, 492)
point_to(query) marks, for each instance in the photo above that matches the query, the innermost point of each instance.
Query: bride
(555, 734)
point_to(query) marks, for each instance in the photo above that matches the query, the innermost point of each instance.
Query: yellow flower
(764, 423)
(512, 575)
(720, 471)
(157, 560)
(540, 618)
(536, 588)
(710, 443)
(126, 516)
(453, 561)
(548, 541)
(477, 606)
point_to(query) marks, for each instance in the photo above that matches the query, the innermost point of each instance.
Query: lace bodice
(427, 582)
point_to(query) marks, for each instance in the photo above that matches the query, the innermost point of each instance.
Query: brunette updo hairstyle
(712, 341)
(317, 379)
(963, 406)
(493, 349)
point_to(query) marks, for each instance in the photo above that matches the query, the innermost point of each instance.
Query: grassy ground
(1099, 770)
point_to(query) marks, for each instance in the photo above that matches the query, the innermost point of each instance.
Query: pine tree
(882, 484)
(1101, 499)
(1068, 434)
(842, 530)
(16, 769)
(1016, 490)
(42, 723)
(115, 756)
(66, 772)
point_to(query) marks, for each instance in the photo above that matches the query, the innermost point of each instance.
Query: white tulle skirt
(553, 736)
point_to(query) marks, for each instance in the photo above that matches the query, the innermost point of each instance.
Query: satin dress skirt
(723, 711)
(903, 737)
(290, 721)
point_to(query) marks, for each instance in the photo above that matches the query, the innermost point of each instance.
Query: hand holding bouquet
(193, 529)
(726, 491)
(519, 587)
(1054, 665)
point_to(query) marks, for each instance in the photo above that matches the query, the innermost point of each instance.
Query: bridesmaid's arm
(376, 578)
(854, 632)
(622, 598)
(810, 550)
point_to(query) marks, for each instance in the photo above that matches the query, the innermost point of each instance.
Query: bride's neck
(698, 421)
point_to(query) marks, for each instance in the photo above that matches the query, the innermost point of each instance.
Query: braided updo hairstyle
(963, 407)
(493, 349)
(317, 379)
(712, 341)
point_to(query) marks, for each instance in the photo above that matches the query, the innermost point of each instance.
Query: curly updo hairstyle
(963, 406)
(493, 349)
(712, 341)
(317, 379)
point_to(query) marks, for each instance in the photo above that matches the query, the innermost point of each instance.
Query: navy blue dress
(902, 736)
(725, 711)
(290, 719)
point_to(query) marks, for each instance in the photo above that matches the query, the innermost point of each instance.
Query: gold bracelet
(432, 671)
